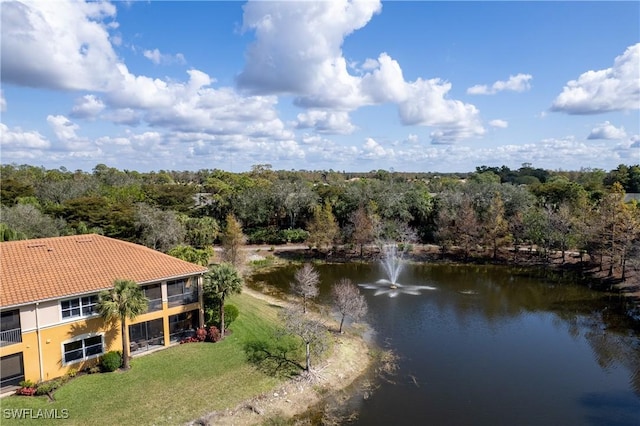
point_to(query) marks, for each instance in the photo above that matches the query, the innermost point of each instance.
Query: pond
(490, 345)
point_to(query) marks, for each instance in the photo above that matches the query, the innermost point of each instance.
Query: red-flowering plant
(27, 388)
(201, 334)
(214, 334)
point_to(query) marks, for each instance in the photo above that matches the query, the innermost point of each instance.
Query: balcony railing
(179, 335)
(142, 345)
(10, 337)
(155, 305)
(183, 299)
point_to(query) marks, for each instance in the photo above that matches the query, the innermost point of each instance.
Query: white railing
(183, 299)
(9, 337)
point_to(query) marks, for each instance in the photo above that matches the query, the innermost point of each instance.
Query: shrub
(201, 334)
(213, 335)
(294, 235)
(26, 391)
(70, 374)
(27, 384)
(191, 339)
(270, 235)
(48, 387)
(231, 312)
(111, 361)
(93, 370)
(27, 388)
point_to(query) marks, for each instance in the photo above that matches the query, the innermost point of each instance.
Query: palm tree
(125, 300)
(221, 281)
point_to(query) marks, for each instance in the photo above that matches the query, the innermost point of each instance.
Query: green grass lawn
(172, 386)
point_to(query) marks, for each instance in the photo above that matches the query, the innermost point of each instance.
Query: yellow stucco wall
(29, 349)
(52, 339)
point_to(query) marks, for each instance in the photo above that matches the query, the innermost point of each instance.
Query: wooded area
(474, 214)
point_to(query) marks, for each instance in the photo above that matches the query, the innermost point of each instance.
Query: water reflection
(392, 289)
(496, 346)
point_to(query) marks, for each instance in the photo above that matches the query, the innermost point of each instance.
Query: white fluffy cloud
(88, 106)
(66, 46)
(515, 83)
(502, 124)
(163, 58)
(3, 102)
(17, 139)
(57, 45)
(298, 51)
(372, 150)
(427, 105)
(607, 130)
(330, 122)
(612, 89)
(62, 127)
(298, 45)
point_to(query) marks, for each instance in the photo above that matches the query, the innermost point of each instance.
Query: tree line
(472, 214)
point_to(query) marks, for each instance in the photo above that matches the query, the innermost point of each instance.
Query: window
(181, 292)
(182, 325)
(154, 294)
(146, 335)
(80, 307)
(83, 349)
(12, 370)
(10, 331)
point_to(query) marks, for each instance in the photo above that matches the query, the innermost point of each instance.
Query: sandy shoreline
(349, 360)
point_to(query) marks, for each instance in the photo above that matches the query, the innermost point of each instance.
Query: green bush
(270, 235)
(273, 235)
(27, 384)
(231, 312)
(48, 387)
(294, 235)
(111, 361)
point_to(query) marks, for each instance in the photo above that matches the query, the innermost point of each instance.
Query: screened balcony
(10, 329)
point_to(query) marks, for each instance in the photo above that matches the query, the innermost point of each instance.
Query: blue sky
(342, 85)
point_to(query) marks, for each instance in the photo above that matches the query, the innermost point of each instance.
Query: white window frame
(82, 339)
(80, 307)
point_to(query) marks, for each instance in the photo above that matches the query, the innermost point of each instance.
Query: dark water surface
(494, 346)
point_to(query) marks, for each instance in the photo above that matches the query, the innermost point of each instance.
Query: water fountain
(392, 263)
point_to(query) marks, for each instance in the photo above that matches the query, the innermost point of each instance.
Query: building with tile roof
(49, 289)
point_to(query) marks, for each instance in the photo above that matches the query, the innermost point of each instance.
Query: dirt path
(349, 360)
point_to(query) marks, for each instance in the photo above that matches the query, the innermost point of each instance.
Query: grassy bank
(169, 387)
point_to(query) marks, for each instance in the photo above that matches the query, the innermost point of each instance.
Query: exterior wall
(44, 332)
(53, 339)
(28, 317)
(29, 349)
(49, 313)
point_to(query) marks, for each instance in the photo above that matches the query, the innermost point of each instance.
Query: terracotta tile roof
(57, 267)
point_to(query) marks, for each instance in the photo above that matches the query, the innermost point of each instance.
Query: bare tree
(305, 284)
(28, 220)
(158, 229)
(312, 333)
(348, 300)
